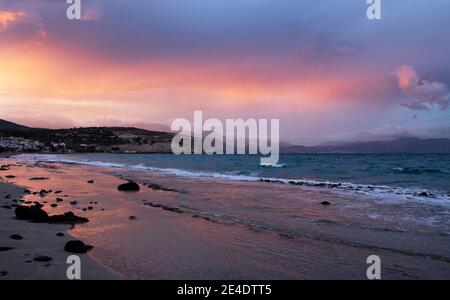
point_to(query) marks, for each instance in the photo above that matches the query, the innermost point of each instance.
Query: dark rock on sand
(90, 181)
(286, 235)
(60, 234)
(423, 194)
(3, 273)
(73, 202)
(4, 168)
(68, 218)
(153, 204)
(42, 258)
(5, 248)
(31, 213)
(165, 207)
(53, 205)
(129, 187)
(43, 193)
(132, 218)
(77, 246)
(36, 214)
(172, 209)
(325, 203)
(158, 187)
(16, 237)
(27, 192)
(10, 176)
(58, 192)
(39, 178)
(59, 200)
(6, 206)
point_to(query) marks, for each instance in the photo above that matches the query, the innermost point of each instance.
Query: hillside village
(92, 139)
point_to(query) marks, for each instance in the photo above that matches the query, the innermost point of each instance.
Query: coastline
(38, 240)
(185, 228)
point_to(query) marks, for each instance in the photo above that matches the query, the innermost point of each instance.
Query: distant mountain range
(142, 140)
(401, 145)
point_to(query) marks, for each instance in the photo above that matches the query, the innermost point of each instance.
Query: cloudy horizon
(321, 67)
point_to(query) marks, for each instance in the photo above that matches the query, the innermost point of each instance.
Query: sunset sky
(320, 66)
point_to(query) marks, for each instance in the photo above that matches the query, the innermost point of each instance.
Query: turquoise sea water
(404, 175)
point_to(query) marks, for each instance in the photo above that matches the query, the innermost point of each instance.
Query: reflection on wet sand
(185, 228)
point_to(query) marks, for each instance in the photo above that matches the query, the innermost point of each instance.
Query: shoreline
(38, 240)
(184, 228)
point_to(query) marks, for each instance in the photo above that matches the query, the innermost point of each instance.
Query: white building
(19, 144)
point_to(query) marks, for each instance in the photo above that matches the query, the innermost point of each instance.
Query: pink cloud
(92, 12)
(422, 93)
(9, 17)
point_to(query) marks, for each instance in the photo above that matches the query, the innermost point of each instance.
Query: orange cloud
(9, 17)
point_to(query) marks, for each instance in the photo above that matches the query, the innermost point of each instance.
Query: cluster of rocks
(35, 213)
(157, 187)
(165, 207)
(5, 167)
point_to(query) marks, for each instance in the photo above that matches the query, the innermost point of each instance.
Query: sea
(413, 177)
(228, 217)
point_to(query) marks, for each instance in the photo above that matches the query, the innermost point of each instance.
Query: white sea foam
(385, 193)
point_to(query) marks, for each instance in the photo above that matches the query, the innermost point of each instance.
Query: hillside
(6, 125)
(90, 139)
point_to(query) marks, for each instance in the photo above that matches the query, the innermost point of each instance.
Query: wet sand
(209, 229)
(38, 240)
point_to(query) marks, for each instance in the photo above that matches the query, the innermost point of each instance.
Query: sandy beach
(179, 228)
(37, 240)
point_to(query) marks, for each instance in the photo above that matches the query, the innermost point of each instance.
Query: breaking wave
(381, 192)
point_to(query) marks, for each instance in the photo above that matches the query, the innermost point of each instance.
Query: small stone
(77, 246)
(60, 234)
(16, 237)
(5, 248)
(129, 187)
(42, 258)
(325, 203)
